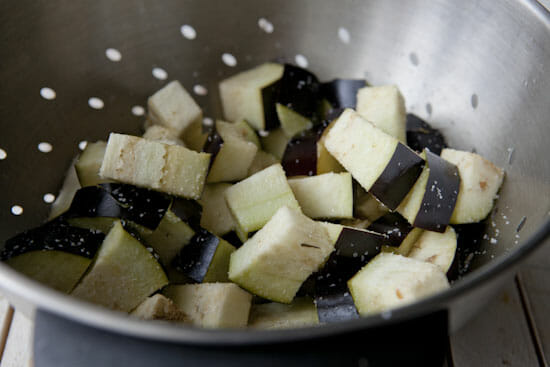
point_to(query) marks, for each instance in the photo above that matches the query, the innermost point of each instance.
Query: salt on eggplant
(394, 226)
(342, 93)
(54, 254)
(141, 206)
(353, 249)
(205, 258)
(421, 135)
(440, 195)
(212, 145)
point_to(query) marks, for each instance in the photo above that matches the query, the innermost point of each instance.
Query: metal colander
(477, 70)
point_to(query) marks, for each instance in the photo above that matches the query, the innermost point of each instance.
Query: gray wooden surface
(514, 329)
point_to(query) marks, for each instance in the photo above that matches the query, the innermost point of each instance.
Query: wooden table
(514, 330)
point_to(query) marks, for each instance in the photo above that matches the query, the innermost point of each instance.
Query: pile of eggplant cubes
(310, 203)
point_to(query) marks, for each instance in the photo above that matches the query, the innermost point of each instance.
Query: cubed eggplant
(299, 90)
(300, 156)
(205, 258)
(88, 164)
(436, 248)
(123, 275)
(291, 121)
(188, 211)
(421, 135)
(300, 313)
(379, 162)
(216, 216)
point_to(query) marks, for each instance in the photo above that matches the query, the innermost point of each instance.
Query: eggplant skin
(399, 176)
(194, 258)
(300, 156)
(299, 90)
(440, 196)
(141, 206)
(394, 226)
(212, 145)
(342, 93)
(54, 235)
(421, 135)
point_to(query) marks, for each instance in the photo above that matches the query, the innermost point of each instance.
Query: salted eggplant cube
(342, 93)
(173, 107)
(389, 281)
(436, 248)
(212, 305)
(479, 185)
(254, 200)
(421, 135)
(328, 196)
(88, 164)
(384, 106)
(162, 134)
(325, 161)
(216, 216)
(251, 95)
(168, 168)
(275, 262)
(292, 122)
(261, 161)
(205, 258)
(55, 254)
(430, 203)
(234, 156)
(275, 142)
(123, 275)
(378, 161)
(159, 307)
(171, 235)
(300, 313)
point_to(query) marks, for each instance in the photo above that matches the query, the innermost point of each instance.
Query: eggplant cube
(275, 143)
(378, 161)
(327, 196)
(68, 189)
(216, 216)
(234, 156)
(254, 200)
(436, 248)
(163, 135)
(89, 162)
(479, 185)
(123, 275)
(168, 168)
(276, 261)
(384, 106)
(173, 107)
(292, 122)
(158, 307)
(390, 281)
(251, 95)
(300, 313)
(212, 305)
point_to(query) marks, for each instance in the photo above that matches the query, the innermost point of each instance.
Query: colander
(73, 71)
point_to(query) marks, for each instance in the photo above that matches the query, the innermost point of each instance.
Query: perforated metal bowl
(478, 70)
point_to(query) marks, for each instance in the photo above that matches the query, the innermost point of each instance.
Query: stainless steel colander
(479, 70)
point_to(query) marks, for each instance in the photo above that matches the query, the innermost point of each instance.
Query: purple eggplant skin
(139, 205)
(300, 156)
(54, 235)
(394, 226)
(342, 93)
(188, 211)
(233, 239)
(399, 176)
(353, 249)
(270, 95)
(212, 145)
(299, 90)
(469, 238)
(421, 135)
(194, 258)
(334, 303)
(440, 196)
